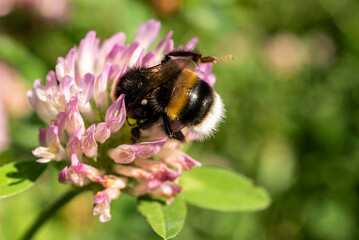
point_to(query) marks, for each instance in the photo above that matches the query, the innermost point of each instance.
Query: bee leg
(135, 134)
(167, 126)
(177, 135)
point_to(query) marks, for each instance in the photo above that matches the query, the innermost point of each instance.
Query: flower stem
(51, 210)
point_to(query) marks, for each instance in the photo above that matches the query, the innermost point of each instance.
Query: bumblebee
(172, 95)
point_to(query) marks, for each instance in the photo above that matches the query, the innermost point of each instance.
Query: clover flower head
(87, 127)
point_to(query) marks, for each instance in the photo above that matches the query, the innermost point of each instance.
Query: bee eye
(144, 102)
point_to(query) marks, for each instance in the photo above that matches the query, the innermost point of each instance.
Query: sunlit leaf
(220, 189)
(165, 220)
(17, 177)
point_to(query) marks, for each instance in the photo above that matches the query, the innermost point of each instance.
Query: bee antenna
(226, 58)
(216, 60)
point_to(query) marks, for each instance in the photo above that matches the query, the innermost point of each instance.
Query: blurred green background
(292, 121)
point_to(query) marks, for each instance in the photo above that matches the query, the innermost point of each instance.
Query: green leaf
(220, 189)
(165, 220)
(17, 177)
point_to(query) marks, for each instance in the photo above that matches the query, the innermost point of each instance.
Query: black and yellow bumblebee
(172, 95)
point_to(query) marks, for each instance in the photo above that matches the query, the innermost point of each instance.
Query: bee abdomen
(200, 100)
(204, 110)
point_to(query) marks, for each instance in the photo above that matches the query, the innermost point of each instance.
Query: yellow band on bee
(185, 81)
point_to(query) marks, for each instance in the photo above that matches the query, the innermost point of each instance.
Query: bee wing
(164, 73)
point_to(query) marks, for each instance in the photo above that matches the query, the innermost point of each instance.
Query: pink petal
(118, 76)
(148, 59)
(170, 46)
(115, 52)
(51, 79)
(113, 182)
(106, 50)
(73, 116)
(89, 144)
(204, 72)
(74, 143)
(102, 209)
(158, 52)
(190, 161)
(52, 136)
(145, 187)
(166, 189)
(103, 131)
(107, 46)
(158, 167)
(80, 172)
(147, 33)
(61, 123)
(51, 148)
(178, 159)
(106, 195)
(192, 44)
(40, 90)
(87, 53)
(152, 148)
(140, 58)
(66, 67)
(100, 90)
(64, 87)
(130, 54)
(126, 153)
(113, 70)
(39, 101)
(164, 42)
(43, 160)
(74, 160)
(211, 80)
(86, 88)
(117, 110)
(62, 177)
(102, 202)
(133, 172)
